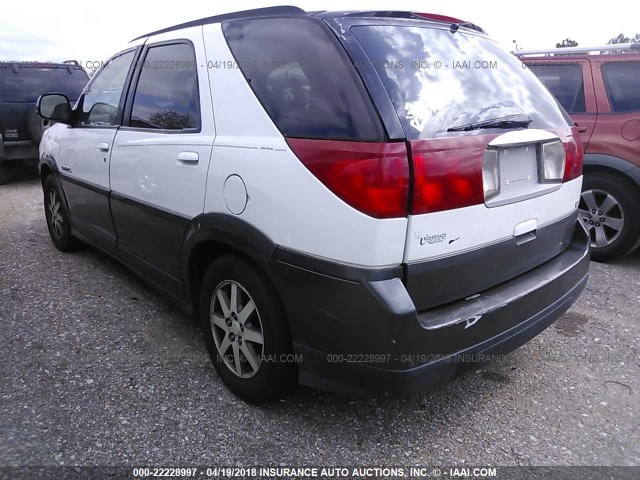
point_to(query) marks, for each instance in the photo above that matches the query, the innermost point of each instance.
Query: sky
(92, 31)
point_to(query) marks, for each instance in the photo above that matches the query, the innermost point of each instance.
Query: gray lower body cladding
(359, 330)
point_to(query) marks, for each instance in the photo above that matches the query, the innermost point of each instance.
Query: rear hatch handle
(525, 231)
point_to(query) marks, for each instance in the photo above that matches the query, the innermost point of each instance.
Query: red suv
(601, 94)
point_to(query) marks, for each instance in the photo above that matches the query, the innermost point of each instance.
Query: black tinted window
(621, 80)
(438, 80)
(167, 93)
(25, 82)
(303, 78)
(98, 106)
(565, 82)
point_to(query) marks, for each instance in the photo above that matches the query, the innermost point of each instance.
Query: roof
(295, 11)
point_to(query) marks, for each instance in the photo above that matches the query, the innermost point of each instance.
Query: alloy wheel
(602, 214)
(56, 220)
(237, 329)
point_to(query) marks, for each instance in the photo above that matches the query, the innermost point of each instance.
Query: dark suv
(601, 94)
(21, 83)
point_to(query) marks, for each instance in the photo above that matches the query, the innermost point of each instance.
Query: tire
(3, 173)
(224, 326)
(57, 216)
(615, 200)
(36, 126)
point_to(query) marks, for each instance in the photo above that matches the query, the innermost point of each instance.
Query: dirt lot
(97, 369)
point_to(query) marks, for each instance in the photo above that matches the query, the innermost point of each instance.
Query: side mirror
(54, 106)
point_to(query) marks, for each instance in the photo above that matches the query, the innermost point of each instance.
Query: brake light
(448, 173)
(574, 158)
(371, 177)
(437, 17)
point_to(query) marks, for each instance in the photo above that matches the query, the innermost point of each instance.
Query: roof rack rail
(568, 50)
(256, 12)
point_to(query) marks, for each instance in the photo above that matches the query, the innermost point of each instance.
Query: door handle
(188, 157)
(103, 147)
(582, 129)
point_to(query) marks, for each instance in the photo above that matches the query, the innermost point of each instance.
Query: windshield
(32, 81)
(438, 80)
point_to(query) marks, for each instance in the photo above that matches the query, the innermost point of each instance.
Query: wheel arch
(211, 235)
(45, 171)
(594, 163)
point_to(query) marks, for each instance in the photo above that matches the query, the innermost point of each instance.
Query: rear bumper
(358, 331)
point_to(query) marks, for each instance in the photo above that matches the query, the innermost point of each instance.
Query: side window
(621, 82)
(166, 96)
(307, 86)
(98, 106)
(565, 82)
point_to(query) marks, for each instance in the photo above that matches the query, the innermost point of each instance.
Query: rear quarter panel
(285, 201)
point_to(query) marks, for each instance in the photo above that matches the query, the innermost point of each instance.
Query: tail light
(551, 162)
(574, 158)
(371, 177)
(447, 174)
(490, 174)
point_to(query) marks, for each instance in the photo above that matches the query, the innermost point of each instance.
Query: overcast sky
(92, 30)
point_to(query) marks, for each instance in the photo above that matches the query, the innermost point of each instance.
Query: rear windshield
(302, 77)
(438, 80)
(29, 82)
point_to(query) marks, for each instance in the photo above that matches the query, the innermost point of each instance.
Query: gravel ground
(98, 369)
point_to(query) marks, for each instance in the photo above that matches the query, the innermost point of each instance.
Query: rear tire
(610, 209)
(57, 216)
(3, 173)
(254, 371)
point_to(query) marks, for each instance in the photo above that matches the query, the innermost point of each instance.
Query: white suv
(355, 201)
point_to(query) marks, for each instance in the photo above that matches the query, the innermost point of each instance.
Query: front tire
(245, 330)
(610, 209)
(57, 216)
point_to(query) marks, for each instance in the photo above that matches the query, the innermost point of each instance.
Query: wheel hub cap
(602, 214)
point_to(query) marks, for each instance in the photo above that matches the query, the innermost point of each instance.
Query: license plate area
(518, 167)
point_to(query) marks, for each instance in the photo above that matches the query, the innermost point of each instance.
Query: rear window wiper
(512, 121)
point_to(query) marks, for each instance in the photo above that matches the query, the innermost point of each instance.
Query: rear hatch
(22, 83)
(495, 166)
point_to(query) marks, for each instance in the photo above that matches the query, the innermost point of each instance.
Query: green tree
(567, 42)
(622, 38)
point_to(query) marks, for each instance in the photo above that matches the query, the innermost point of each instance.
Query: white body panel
(286, 201)
(146, 167)
(80, 157)
(188, 174)
(441, 234)
(168, 169)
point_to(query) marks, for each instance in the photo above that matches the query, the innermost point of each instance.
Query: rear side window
(565, 82)
(621, 82)
(438, 80)
(166, 96)
(303, 78)
(25, 83)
